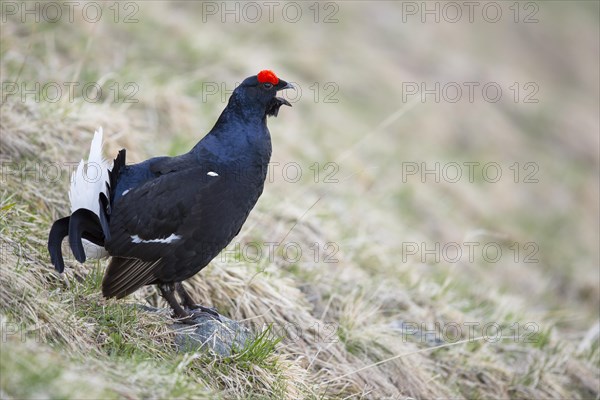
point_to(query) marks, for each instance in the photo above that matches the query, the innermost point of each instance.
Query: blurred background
(417, 127)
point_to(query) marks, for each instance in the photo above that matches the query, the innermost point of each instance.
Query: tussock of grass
(353, 321)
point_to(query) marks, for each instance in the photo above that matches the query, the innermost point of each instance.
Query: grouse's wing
(126, 275)
(147, 226)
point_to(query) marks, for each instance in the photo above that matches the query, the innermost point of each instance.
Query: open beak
(276, 102)
(282, 85)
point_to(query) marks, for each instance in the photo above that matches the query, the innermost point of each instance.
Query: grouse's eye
(267, 85)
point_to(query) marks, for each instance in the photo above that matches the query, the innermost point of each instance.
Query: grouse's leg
(166, 291)
(187, 301)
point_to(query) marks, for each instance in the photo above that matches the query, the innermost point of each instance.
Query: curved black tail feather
(85, 224)
(60, 229)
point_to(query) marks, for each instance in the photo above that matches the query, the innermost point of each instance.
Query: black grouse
(166, 218)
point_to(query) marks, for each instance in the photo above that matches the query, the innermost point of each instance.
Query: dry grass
(348, 326)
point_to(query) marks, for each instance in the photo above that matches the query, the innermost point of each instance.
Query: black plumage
(165, 219)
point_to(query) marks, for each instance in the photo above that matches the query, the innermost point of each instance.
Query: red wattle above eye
(269, 76)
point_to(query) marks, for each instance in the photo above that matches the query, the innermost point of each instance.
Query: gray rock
(208, 334)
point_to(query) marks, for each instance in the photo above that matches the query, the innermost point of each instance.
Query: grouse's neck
(239, 136)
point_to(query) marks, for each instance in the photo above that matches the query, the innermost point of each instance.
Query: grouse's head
(259, 92)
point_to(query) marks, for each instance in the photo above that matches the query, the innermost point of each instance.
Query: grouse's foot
(189, 320)
(188, 302)
(205, 310)
(167, 292)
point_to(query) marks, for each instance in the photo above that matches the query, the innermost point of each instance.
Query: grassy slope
(59, 334)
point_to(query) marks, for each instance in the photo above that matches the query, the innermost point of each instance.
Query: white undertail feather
(87, 182)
